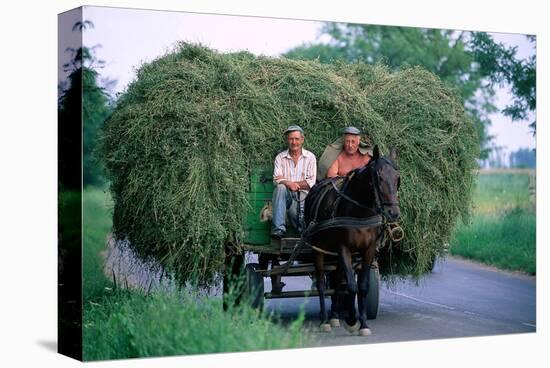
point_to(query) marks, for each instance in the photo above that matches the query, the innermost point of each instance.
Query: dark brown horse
(348, 220)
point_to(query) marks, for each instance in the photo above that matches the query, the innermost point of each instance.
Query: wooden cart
(293, 259)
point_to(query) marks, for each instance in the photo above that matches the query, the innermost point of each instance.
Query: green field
(502, 230)
(121, 323)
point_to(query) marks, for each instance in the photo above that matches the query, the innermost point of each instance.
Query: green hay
(182, 140)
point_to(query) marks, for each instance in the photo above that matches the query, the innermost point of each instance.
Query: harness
(389, 230)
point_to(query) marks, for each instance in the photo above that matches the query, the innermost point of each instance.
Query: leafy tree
(501, 66)
(449, 54)
(82, 109)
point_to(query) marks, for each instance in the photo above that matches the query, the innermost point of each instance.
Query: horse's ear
(376, 153)
(393, 154)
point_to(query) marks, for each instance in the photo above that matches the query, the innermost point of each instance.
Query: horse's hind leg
(344, 260)
(320, 282)
(336, 298)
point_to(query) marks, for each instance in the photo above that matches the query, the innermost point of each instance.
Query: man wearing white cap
(350, 158)
(294, 174)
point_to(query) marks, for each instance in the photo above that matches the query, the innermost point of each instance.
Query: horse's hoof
(365, 332)
(354, 328)
(325, 327)
(334, 322)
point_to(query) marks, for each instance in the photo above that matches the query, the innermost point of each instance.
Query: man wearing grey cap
(294, 174)
(351, 157)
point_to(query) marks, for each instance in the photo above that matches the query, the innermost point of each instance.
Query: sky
(129, 37)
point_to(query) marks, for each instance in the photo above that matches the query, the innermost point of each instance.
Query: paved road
(459, 299)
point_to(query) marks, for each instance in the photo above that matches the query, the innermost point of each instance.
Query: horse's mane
(357, 171)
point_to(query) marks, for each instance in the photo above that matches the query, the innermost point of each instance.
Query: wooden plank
(304, 269)
(267, 249)
(286, 246)
(299, 294)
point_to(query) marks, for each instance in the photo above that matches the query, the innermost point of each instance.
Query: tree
(82, 109)
(447, 53)
(496, 158)
(523, 158)
(501, 66)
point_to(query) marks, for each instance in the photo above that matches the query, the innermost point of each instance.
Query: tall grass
(506, 241)
(121, 323)
(97, 222)
(131, 325)
(502, 231)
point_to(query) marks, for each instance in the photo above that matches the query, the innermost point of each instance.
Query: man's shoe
(277, 234)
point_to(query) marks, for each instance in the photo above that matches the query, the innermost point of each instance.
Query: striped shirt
(306, 169)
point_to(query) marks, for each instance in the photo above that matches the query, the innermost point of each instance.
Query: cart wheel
(373, 297)
(254, 286)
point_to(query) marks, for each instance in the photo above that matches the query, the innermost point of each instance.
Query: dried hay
(184, 136)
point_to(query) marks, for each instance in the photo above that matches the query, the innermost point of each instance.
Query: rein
(348, 198)
(392, 229)
(377, 195)
(339, 222)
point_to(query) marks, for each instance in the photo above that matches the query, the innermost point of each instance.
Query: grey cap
(352, 130)
(293, 128)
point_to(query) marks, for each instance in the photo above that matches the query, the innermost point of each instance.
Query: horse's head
(384, 183)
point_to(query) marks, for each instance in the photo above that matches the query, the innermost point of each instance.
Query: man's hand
(292, 186)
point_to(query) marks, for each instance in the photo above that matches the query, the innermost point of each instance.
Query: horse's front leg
(344, 261)
(320, 283)
(363, 289)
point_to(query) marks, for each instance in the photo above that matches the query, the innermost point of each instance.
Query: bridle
(388, 228)
(379, 201)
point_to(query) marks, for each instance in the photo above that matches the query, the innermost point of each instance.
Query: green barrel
(260, 194)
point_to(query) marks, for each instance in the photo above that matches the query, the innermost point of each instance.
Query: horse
(351, 220)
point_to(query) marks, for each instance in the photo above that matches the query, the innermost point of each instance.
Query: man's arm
(278, 171)
(310, 174)
(293, 186)
(333, 169)
(278, 177)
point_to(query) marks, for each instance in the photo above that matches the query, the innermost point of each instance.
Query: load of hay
(186, 133)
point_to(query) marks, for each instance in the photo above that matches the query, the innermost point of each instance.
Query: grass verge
(121, 324)
(502, 231)
(97, 224)
(507, 241)
(132, 325)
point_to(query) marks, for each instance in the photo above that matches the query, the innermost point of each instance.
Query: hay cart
(287, 258)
